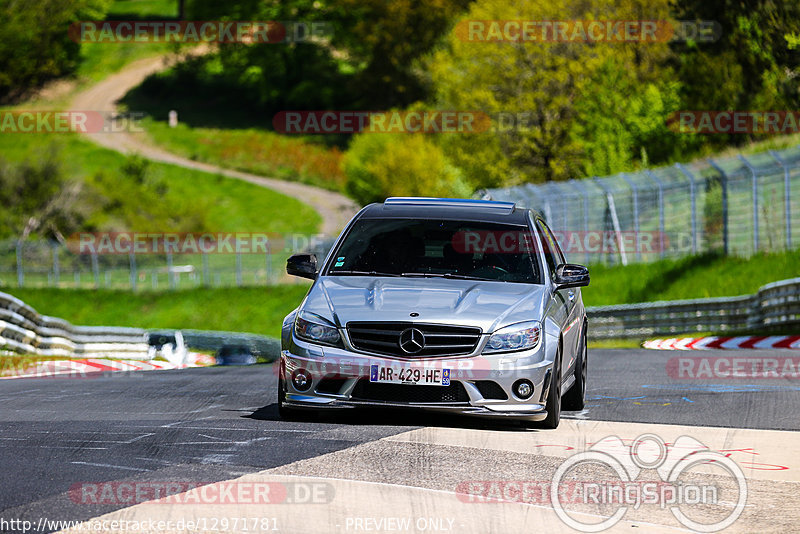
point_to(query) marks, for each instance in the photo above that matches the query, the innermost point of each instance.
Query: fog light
(301, 380)
(523, 389)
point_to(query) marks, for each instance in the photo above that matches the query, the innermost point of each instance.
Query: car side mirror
(571, 275)
(304, 265)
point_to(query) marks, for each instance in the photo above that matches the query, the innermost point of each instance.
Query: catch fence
(737, 205)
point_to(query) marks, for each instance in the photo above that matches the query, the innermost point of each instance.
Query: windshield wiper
(361, 273)
(452, 276)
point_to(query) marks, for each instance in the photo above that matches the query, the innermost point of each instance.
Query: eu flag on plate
(373, 373)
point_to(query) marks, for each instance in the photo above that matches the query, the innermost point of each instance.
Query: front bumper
(481, 385)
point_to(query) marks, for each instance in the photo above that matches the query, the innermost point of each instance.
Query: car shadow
(393, 417)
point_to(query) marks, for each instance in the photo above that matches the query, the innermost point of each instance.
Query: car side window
(552, 253)
(556, 246)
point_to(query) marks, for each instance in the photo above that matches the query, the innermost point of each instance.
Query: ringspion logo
(671, 462)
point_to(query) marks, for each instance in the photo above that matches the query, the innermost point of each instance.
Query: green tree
(380, 165)
(751, 66)
(584, 97)
(368, 59)
(34, 41)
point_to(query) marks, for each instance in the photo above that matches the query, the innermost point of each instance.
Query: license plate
(409, 375)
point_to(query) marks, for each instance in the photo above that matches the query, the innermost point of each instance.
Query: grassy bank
(255, 310)
(170, 198)
(253, 150)
(707, 275)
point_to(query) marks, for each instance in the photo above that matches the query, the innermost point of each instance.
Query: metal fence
(738, 205)
(775, 308)
(51, 264)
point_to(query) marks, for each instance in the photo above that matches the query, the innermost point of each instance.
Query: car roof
(447, 208)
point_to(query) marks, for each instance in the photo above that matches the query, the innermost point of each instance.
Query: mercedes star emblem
(412, 341)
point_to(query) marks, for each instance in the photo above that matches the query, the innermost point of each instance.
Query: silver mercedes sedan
(460, 306)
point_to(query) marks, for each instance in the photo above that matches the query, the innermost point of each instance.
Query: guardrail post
(56, 266)
(170, 274)
(206, 277)
(787, 202)
(724, 183)
(20, 266)
(660, 185)
(755, 202)
(134, 273)
(585, 197)
(693, 198)
(95, 270)
(269, 263)
(635, 192)
(238, 269)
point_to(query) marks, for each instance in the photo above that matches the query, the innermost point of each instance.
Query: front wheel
(553, 405)
(575, 398)
(285, 413)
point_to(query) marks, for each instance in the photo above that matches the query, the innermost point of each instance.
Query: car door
(569, 297)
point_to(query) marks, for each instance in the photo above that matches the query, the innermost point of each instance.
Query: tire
(553, 404)
(285, 413)
(575, 398)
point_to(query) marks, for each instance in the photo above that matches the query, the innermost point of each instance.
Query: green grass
(99, 60)
(144, 9)
(252, 150)
(220, 204)
(254, 310)
(701, 276)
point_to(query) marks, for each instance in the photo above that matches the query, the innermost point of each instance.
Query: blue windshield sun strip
(425, 201)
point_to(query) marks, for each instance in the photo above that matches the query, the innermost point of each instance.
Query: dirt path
(334, 208)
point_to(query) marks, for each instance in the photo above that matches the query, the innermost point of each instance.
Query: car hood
(488, 305)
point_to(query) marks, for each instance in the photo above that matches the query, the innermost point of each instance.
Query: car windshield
(437, 248)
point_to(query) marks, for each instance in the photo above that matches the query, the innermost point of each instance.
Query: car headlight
(312, 327)
(520, 336)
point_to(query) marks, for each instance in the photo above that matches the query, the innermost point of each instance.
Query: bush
(36, 198)
(382, 165)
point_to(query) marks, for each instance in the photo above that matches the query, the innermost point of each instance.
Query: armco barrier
(775, 307)
(264, 346)
(24, 330)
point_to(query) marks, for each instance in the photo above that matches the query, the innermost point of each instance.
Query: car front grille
(409, 393)
(440, 340)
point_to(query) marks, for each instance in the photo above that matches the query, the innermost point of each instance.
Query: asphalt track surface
(208, 425)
